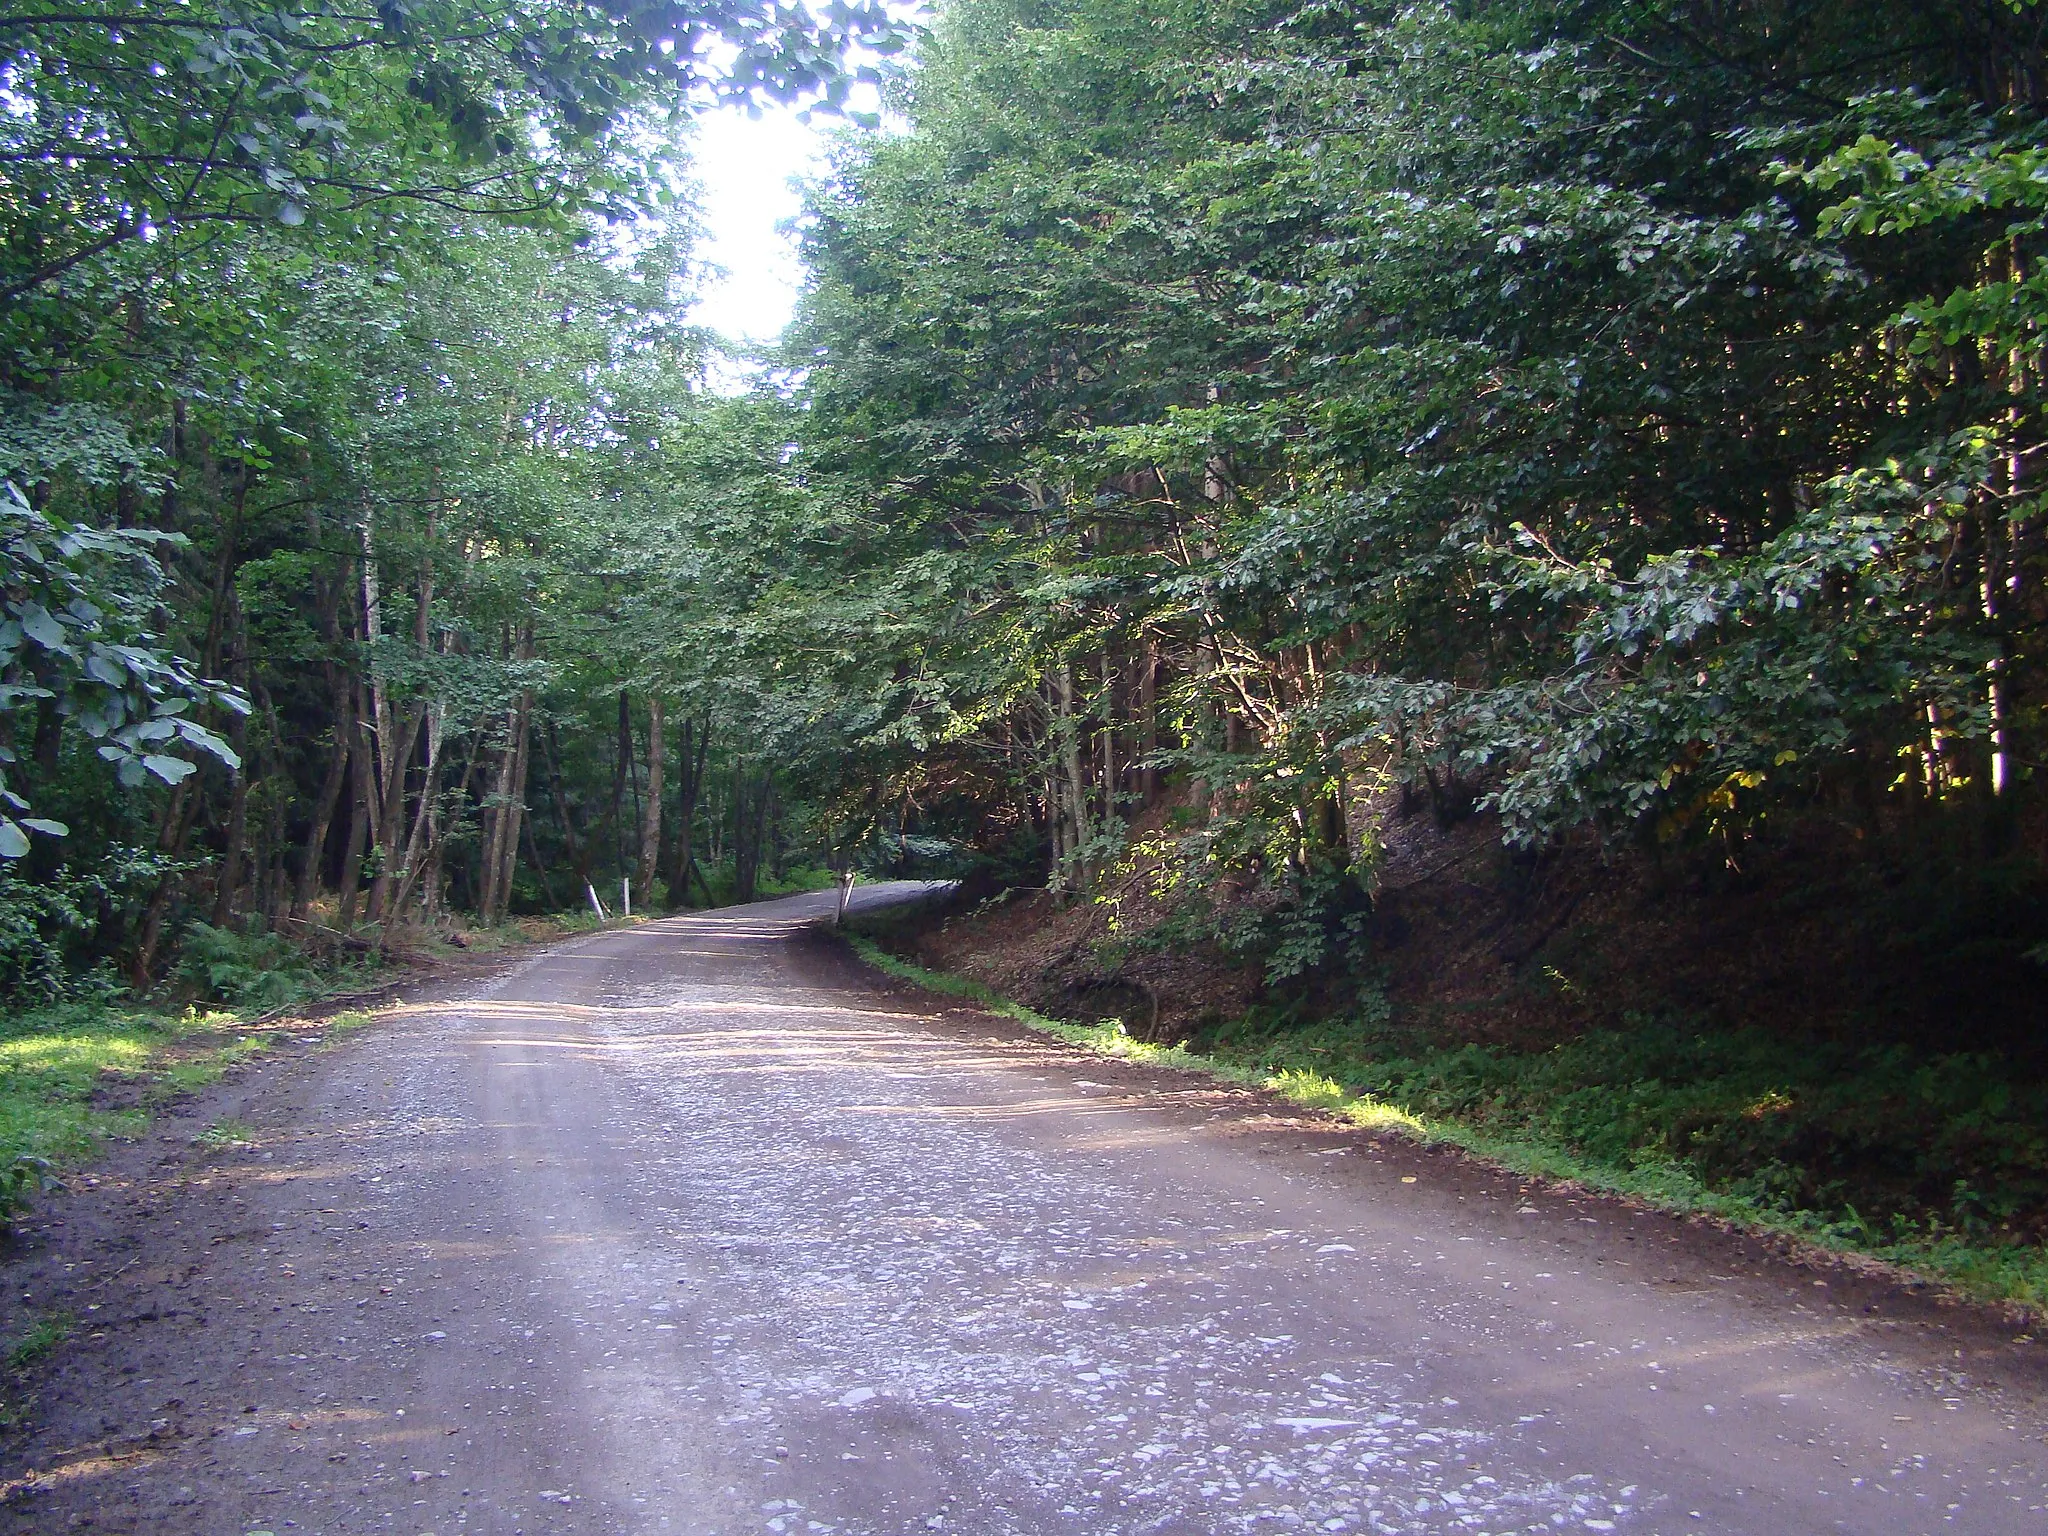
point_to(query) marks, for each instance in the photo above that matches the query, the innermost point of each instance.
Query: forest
(1233, 463)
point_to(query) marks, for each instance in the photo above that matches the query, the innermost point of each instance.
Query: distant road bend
(694, 1228)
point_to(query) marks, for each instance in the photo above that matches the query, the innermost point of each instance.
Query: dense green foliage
(359, 485)
(1617, 416)
(1618, 419)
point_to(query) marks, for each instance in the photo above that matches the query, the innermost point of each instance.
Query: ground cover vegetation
(1505, 531)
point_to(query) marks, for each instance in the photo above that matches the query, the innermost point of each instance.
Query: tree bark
(1074, 787)
(750, 824)
(496, 824)
(579, 852)
(1148, 709)
(392, 868)
(622, 768)
(323, 818)
(515, 801)
(391, 817)
(406, 878)
(650, 814)
(362, 822)
(690, 767)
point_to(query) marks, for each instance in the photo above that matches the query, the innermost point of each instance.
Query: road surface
(697, 1228)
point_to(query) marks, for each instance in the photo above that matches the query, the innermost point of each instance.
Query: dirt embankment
(1815, 930)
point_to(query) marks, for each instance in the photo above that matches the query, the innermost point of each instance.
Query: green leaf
(172, 770)
(43, 627)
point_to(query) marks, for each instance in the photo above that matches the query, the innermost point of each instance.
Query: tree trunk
(622, 768)
(1148, 710)
(742, 860)
(362, 823)
(424, 819)
(1073, 786)
(229, 879)
(391, 817)
(491, 866)
(323, 820)
(171, 837)
(540, 870)
(1105, 742)
(393, 870)
(515, 800)
(579, 852)
(750, 825)
(690, 767)
(650, 815)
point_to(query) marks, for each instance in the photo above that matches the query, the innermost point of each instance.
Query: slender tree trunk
(229, 880)
(579, 852)
(1073, 787)
(751, 806)
(434, 879)
(690, 769)
(391, 817)
(622, 767)
(393, 869)
(379, 712)
(515, 800)
(235, 847)
(1148, 710)
(171, 839)
(425, 816)
(491, 866)
(650, 815)
(1105, 740)
(323, 820)
(742, 864)
(362, 824)
(274, 896)
(540, 870)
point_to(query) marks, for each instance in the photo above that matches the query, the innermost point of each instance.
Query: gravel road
(699, 1228)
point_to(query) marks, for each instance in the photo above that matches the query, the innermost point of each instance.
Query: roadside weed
(38, 1340)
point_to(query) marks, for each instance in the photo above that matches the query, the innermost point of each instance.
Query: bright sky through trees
(745, 166)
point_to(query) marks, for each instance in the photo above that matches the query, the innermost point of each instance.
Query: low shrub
(249, 969)
(1883, 1139)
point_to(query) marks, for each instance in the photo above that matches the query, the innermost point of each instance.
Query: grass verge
(76, 1075)
(73, 1075)
(2015, 1273)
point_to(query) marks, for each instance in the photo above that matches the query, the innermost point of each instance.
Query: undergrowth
(1767, 1133)
(258, 970)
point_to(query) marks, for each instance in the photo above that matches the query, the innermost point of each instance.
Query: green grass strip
(55, 1061)
(1984, 1272)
